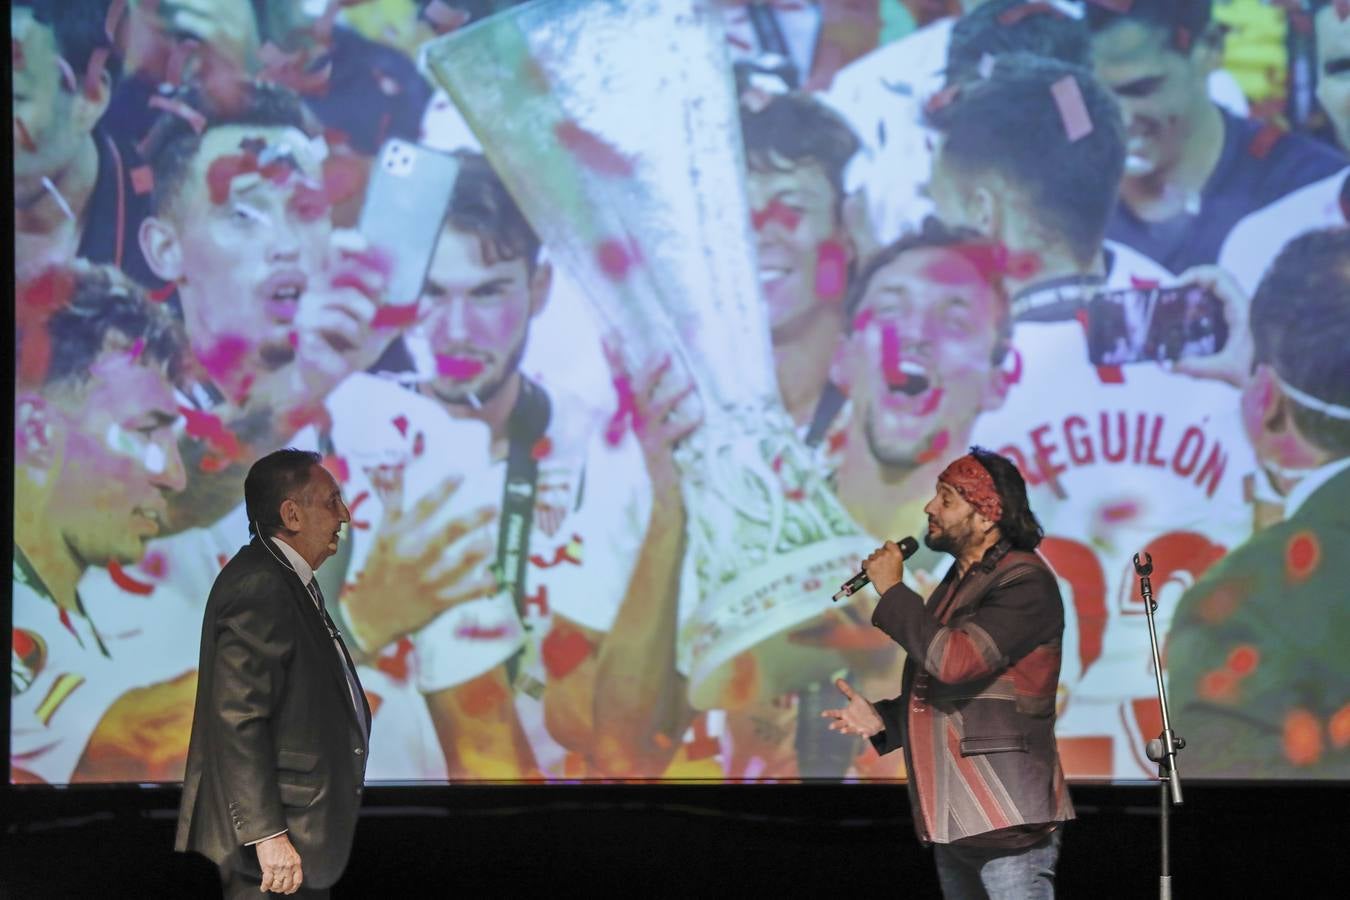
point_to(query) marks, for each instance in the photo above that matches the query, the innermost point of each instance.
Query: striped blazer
(976, 711)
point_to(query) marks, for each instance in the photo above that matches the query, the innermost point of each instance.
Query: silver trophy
(614, 124)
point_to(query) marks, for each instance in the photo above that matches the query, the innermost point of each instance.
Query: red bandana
(973, 482)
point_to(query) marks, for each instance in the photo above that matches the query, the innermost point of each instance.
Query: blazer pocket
(297, 760)
(1003, 743)
(296, 795)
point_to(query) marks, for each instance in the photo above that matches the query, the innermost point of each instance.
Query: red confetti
(1015, 375)
(163, 292)
(616, 258)
(625, 415)
(337, 467)
(1073, 111)
(1338, 727)
(1218, 686)
(542, 448)
(1115, 513)
(24, 643)
(213, 465)
(1243, 660)
(25, 136)
(1302, 555)
(394, 663)
(1302, 737)
(777, 211)
(419, 444)
(395, 316)
(225, 357)
(701, 745)
(831, 270)
(593, 151)
(208, 427)
(1265, 140)
(939, 444)
(896, 377)
(155, 564)
(460, 368)
(992, 259)
(124, 581)
(564, 649)
(142, 179)
(224, 170)
(401, 423)
(479, 633)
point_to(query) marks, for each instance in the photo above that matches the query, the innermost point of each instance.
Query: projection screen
(630, 328)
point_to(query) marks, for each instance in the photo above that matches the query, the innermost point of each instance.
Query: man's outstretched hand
(859, 717)
(280, 865)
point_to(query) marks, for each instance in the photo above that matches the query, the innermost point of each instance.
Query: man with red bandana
(976, 711)
(96, 464)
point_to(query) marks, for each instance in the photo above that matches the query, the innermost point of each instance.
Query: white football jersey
(1118, 461)
(1259, 237)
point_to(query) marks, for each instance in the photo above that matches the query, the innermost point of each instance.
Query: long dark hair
(1018, 524)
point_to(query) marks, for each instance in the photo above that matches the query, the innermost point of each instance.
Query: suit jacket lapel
(309, 613)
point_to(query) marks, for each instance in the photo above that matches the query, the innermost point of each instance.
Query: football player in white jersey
(1124, 458)
(798, 151)
(279, 309)
(553, 495)
(96, 462)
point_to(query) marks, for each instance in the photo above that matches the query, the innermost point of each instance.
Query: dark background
(690, 840)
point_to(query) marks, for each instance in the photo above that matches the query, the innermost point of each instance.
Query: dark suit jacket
(276, 743)
(976, 711)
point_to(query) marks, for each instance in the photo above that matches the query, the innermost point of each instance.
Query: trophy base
(748, 655)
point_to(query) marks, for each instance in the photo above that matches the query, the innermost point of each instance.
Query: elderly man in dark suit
(281, 730)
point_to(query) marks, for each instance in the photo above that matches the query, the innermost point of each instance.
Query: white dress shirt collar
(296, 560)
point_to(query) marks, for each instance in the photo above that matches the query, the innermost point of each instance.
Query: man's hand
(336, 330)
(662, 420)
(886, 566)
(1232, 364)
(423, 562)
(859, 717)
(280, 865)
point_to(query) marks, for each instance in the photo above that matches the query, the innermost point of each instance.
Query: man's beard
(953, 540)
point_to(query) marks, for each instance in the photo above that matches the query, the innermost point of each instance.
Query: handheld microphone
(858, 582)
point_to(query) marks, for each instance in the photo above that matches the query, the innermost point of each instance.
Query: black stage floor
(631, 840)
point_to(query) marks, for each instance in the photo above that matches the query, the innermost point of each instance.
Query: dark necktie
(348, 669)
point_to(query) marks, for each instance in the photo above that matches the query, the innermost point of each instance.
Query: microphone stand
(1162, 749)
